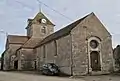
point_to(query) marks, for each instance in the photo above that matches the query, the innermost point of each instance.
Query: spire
(41, 15)
(40, 5)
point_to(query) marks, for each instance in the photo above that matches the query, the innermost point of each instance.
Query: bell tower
(40, 26)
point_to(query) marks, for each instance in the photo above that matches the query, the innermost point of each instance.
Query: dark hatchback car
(50, 69)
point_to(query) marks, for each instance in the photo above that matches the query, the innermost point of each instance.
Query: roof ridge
(17, 36)
(44, 15)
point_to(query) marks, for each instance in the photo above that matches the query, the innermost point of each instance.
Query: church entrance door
(16, 64)
(95, 61)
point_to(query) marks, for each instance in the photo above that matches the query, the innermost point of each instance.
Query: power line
(55, 10)
(24, 5)
(40, 5)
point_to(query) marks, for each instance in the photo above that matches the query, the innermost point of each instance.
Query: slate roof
(62, 32)
(16, 39)
(31, 43)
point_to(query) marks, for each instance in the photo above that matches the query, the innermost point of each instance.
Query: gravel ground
(15, 76)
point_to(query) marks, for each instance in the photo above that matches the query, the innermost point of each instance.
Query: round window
(94, 44)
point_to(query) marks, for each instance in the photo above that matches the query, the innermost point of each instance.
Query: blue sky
(14, 15)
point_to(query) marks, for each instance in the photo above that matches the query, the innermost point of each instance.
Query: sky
(14, 15)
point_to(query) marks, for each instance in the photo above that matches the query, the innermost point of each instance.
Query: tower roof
(39, 16)
(16, 39)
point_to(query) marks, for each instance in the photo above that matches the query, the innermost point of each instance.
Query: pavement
(32, 76)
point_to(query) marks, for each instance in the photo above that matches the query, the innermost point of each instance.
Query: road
(15, 76)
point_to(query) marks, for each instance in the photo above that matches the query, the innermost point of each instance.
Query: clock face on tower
(43, 20)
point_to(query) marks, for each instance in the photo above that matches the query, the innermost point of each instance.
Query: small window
(55, 43)
(44, 51)
(43, 30)
(94, 44)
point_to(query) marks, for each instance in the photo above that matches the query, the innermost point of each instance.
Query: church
(83, 47)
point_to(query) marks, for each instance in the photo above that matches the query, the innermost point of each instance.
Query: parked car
(50, 69)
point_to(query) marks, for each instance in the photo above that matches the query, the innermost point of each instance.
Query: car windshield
(52, 66)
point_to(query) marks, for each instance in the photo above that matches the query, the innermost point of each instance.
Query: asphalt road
(16, 76)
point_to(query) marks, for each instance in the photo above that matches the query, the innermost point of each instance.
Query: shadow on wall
(28, 62)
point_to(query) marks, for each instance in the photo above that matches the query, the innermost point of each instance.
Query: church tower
(40, 26)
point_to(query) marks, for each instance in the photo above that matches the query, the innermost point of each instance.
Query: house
(83, 47)
(12, 44)
(19, 53)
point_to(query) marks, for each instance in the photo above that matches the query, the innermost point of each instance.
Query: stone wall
(26, 59)
(90, 27)
(39, 57)
(29, 31)
(8, 59)
(36, 30)
(79, 51)
(63, 56)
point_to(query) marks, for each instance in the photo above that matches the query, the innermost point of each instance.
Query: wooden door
(95, 61)
(16, 64)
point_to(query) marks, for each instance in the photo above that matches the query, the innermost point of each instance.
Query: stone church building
(83, 47)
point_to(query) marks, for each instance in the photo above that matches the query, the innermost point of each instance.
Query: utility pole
(4, 32)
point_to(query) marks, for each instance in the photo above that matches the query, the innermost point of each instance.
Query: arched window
(44, 51)
(94, 44)
(43, 30)
(55, 43)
